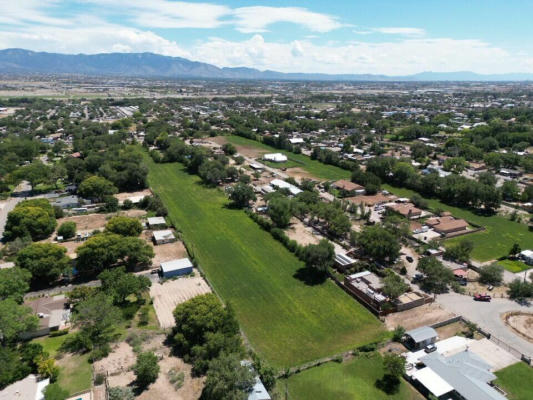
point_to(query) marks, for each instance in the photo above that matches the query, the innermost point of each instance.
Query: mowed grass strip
(354, 379)
(499, 236)
(316, 168)
(285, 320)
(517, 381)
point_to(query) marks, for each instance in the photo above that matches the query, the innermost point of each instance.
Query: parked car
(430, 348)
(417, 278)
(409, 259)
(482, 297)
(490, 287)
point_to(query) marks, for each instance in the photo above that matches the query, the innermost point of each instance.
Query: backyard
(354, 379)
(516, 381)
(285, 320)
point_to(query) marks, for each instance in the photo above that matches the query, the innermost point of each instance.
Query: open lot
(353, 379)
(165, 252)
(169, 294)
(499, 236)
(302, 234)
(316, 169)
(516, 381)
(286, 320)
(428, 314)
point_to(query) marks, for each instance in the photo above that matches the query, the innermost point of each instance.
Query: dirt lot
(123, 358)
(521, 323)
(123, 196)
(246, 151)
(476, 287)
(299, 174)
(165, 252)
(90, 222)
(299, 232)
(168, 295)
(428, 314)
(120, 360)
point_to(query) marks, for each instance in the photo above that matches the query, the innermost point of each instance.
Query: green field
(75, 371)
(315, 168)
(286, 321)
(514, 265)
(353, 380)
(517, 381)
(499, 236)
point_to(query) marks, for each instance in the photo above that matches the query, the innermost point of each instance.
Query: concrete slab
(490, 352)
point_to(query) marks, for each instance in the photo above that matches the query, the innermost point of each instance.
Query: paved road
(487, 317)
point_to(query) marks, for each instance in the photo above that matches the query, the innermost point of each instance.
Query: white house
(275, 157)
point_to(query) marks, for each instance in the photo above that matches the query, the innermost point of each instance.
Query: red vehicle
(482, 297)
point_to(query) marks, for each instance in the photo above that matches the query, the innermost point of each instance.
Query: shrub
(67, 230)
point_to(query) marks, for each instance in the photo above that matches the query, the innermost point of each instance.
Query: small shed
(177, 267)
(163, 236)
(419, 338)
(157, 222)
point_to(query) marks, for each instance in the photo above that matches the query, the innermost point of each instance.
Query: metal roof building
(172, 268)
(421, 337)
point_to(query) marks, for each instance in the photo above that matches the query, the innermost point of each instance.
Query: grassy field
(286, 321)
(354, 380)
(516, 380)
(75, 372)
(313, 167)
(494, 242)
(514, 265)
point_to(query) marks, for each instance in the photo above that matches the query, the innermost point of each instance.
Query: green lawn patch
(514, 265)
(499, 236)
(286, 321)
(289, 164)
(354, 380)
(516, 381)
(313, 167)
(75, 373)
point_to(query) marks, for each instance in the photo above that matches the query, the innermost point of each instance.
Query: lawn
(514, 265)
(354, 380)
(313, 167)
(75, 371)
(499, 236)
(516, 381)
(286, 321)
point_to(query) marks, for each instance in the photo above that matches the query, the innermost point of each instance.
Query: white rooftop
(156, 221)
(176, 265)
(275, 157)
(278, 183)
(432, 381)
(163, 235)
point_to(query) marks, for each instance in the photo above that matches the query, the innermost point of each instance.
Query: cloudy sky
(393, 37)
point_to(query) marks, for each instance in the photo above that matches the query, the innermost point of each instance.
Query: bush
(398, 333)
(367, 348)
(121, 393)
(60, 332)
(67, 230)
(146, 369)
(127, 204)
(176, 378)
(99, 353)
(55, 392)
(99, 379)
(144, 316)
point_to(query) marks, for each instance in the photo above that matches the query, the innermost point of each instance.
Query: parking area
(494, 355)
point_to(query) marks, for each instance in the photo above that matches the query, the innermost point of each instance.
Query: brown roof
(447, 224)
(406, 210)
(347, 185)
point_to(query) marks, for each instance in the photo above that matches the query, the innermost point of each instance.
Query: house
(343, 261)
(527, 256)
(348, 188)
(258, 391)
(53, 313)
(179, 267)
(256, 166)
(156, 222)
(296, 141)
(279, 184)
(29, 388)
(66, 202)
(275, 157)
(463, 375)
(419, 338)
(163, 236)
(366, 287)
(447, 224)
(408, 210)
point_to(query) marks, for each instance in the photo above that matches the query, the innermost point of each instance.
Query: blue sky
(347, 36)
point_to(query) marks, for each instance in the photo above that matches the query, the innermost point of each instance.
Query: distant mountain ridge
(155, 65)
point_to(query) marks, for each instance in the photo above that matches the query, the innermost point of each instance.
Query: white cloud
(19, 12)
(258, 18)
(401, 31)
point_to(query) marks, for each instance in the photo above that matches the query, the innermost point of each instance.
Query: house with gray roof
(419, 338)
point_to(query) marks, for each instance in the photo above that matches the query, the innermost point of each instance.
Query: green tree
(96, 187)
(67, 230)
(119, 285)
(241, 195)
(55, 392)
(14, 283)
(35, 173)
(47, 368)
(510, 191)
(454, 164)
(397, 334)
(279, 210)
(515, 249)
(378, 243)
(146, 369)
(229, 149)
(227, 379)
(15, 319)
(212, 172)
(121, 393)
(125, 226)
(35, 218)
(459, 252)
(319, 256)
(393, 285)
(46, 261)
(491, 274)
(437, 276)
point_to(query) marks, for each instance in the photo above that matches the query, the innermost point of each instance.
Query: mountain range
(150, 65)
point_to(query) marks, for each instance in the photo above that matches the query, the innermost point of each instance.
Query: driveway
(488, 317)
